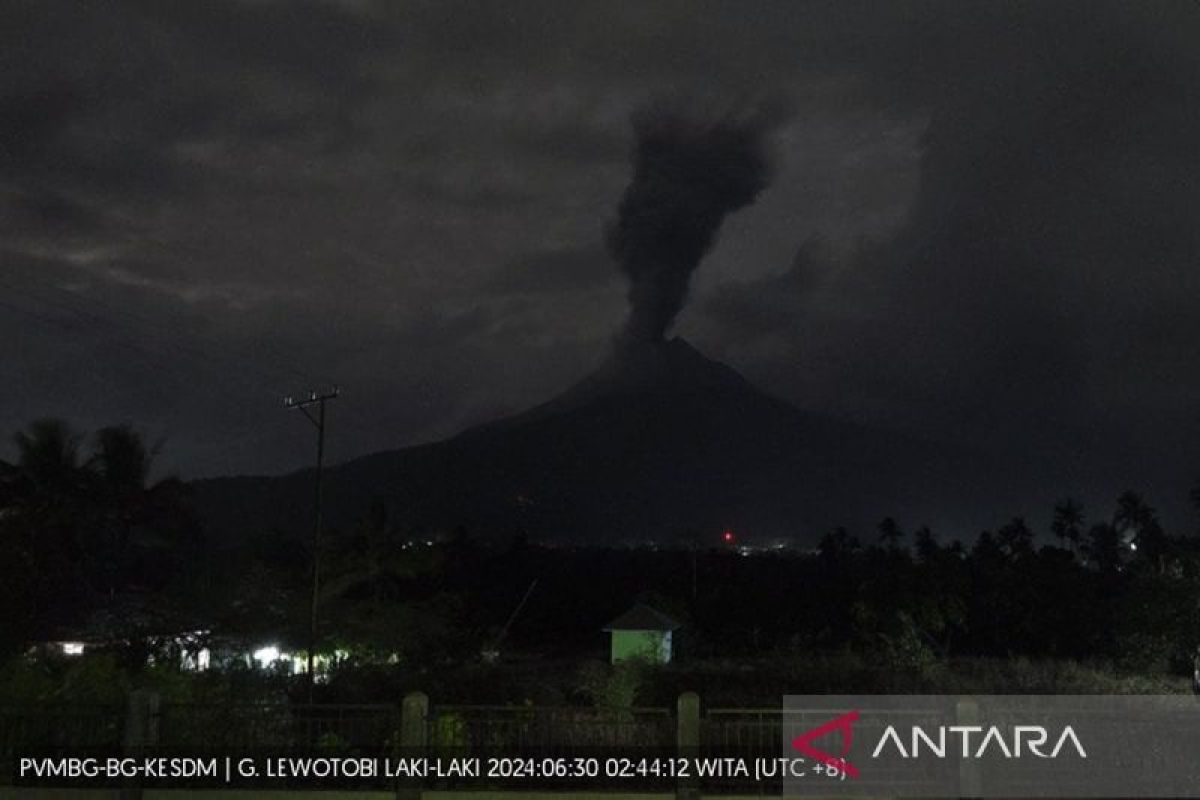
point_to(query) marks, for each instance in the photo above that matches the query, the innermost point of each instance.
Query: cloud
(410, 199)
(567, 269)
(1023, 299)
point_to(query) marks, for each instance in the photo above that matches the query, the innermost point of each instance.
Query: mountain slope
(659, 442)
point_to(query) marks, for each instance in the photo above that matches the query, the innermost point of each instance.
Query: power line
(318, 400)
(78, 321)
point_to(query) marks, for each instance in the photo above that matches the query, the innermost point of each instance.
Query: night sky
(983, 223)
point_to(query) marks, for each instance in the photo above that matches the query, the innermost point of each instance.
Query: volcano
(659, 443)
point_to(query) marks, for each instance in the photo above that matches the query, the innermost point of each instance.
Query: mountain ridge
(659, 442)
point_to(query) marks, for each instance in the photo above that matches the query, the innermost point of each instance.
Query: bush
(25, 680)
(1155, 654)
(904, 648)
(96, 680)
(613, 689)
(448, 730)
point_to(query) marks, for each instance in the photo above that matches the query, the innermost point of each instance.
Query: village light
(266, 656)
(72, 648)
(299, 663)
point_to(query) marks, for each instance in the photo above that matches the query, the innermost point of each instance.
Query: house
(641, 633)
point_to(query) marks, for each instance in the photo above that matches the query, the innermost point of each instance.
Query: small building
(642, 633)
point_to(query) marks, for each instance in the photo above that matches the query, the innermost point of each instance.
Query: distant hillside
(657, 443)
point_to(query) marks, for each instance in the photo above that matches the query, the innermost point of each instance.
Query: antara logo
(967, 741)
(844, 724)
(1024, 738)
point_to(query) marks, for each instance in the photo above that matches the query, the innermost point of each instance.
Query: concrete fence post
(970, 778)
(141, 732)
(687, 740)
(414, 727)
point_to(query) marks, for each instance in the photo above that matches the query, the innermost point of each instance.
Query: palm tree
(121, 458)
(925, 543)
(1137, 524)
(136, 515)
(1016, 538)
(890, 533)
(42, 521)
(1132, 512)
(47, 468)
(1068, 523)
(1103, 548)
(80, 520)
(42, 488)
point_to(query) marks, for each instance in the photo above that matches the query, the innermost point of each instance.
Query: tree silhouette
(1103, 548)
(137, 516)
(890, 534)
(82, 530)
(368, 591)
(1137, 525)
(41, 523)
(47, 469)
(838, 545)
(925, 544)
(1068, 523)
(1016, 539)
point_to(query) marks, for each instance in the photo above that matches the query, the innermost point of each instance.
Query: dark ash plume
(688, 175)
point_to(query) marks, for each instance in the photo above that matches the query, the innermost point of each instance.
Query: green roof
(642, 618)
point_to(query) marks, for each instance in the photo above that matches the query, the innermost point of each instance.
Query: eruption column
(688, 175)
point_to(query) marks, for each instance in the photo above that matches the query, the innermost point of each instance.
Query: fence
(57, 726)
(145, 725)
(521, 730)
(363, 729)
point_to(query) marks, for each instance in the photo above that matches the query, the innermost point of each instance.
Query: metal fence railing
(57, 726)
(524, 729)
(749, 731)
(60, 725)
(384, 730)
(335, 728)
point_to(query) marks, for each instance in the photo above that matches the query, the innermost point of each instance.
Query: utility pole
(318, 400)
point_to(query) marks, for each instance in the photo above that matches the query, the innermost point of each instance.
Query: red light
(728, 537)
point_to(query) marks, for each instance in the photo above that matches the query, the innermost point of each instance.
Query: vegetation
(88, 540)
(93, 546)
